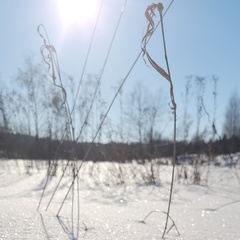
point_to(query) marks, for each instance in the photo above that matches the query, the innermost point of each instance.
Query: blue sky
(202, 39)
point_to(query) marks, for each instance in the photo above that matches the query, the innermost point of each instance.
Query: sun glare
(77, 11)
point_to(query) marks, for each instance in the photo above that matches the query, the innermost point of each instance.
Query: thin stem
(72, 212)
(174, 107)
(173, 173)
(78, 204)
(157, 211)
(55, 190)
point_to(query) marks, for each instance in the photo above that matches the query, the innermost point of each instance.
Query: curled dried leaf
(150, 13)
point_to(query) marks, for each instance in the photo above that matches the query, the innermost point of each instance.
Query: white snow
(114, 210)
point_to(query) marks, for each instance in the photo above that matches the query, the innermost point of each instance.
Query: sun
(77, 11)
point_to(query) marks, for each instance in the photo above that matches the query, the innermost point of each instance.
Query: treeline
(15, 146)
(40, 120)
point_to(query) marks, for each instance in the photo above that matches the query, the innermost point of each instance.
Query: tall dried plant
(150, 13)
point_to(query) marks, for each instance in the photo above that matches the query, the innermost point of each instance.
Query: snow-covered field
(115, 211)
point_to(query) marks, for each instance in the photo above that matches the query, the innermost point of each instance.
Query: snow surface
(115, 211)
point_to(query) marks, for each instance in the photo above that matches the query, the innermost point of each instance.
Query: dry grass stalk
(150, 13)
(50, 57)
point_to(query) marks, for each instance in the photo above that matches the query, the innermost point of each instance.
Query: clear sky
(203, 38)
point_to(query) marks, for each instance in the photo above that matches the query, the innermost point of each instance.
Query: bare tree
(232, 117)
(20, 120)
(4, 123)
(201, 110)
(89, 109)
(33, 103)
(143, 112)
(187, 121)
(30, 82)
(135, 113)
